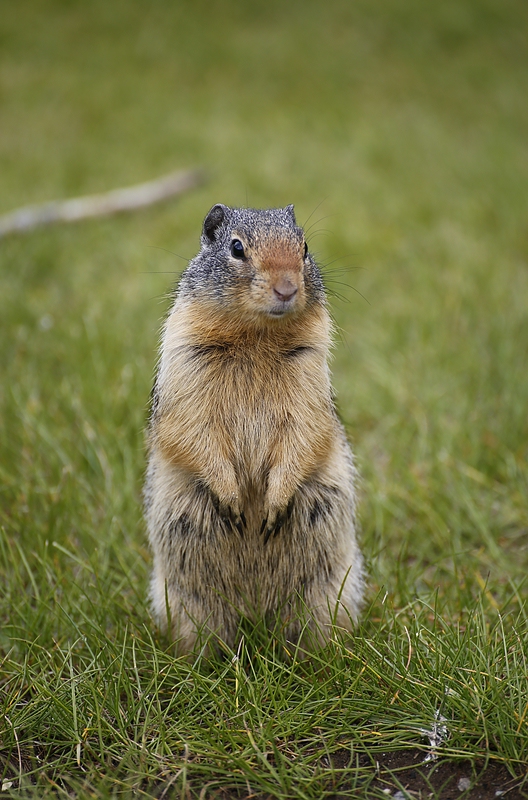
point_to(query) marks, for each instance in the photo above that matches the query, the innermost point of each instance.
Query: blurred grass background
(400, 132)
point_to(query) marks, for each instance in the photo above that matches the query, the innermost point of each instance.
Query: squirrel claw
(233, 522)
(230, 525)
(239, 523)
(274, 522)
(274, 528)
(269, 527)
(231, 518)
(271, 530)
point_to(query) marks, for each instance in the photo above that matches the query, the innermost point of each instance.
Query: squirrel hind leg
(316, 620)
(332, 592)
(187, 591)
(197, 625)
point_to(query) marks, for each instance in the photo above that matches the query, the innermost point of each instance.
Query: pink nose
(284, 290)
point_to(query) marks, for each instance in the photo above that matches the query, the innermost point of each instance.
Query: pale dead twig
(97, 205)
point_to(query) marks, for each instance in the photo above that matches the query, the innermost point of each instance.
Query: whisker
(317, 221)
(156, 247)
(321, 232)
(313, 212)
(337, 296)
(333, 293)
(340, 270)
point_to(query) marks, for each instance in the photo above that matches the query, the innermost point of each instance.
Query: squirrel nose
(284, 290)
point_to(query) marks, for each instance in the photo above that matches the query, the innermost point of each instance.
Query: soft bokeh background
(399, 130)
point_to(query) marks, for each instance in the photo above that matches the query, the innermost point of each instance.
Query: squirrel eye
(305, 249)
(237, 249)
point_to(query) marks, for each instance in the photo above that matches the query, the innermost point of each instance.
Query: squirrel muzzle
(278, 285)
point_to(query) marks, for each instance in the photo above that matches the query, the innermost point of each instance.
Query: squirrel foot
(230, 514)
(275, 520)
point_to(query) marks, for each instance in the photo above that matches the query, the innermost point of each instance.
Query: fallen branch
(98, 205)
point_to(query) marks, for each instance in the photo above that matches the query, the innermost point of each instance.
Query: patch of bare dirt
(403, 775)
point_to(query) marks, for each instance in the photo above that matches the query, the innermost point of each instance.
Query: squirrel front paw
(228, 509)
(274, 520)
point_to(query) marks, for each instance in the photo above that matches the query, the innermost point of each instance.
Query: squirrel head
(257, 261)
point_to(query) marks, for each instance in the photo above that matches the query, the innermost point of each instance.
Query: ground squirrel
(250, 489)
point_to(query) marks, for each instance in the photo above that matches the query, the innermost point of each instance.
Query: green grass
(400, 132)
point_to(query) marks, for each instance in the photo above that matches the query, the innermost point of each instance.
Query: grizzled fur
(250, 488)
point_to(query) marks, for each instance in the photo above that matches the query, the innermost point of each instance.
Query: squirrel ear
(213, 220)
(291, 213)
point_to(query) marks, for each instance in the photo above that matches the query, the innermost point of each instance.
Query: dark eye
(305, 249)
(237, 249)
